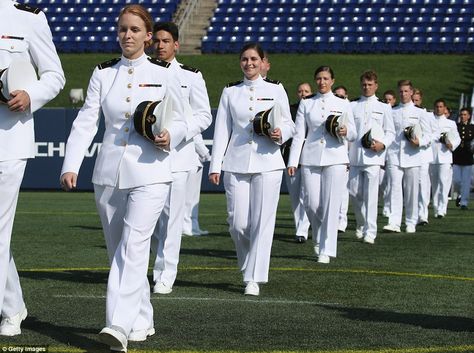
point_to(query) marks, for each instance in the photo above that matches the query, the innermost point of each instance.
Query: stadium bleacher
(284, 26)
(343, 26)
(90, 25)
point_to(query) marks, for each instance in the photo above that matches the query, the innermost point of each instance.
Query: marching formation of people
(148, 172)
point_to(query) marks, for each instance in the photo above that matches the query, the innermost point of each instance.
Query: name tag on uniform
(264, 99)
(149, 85)
(378, 113)
(12, 37)
(184, 86)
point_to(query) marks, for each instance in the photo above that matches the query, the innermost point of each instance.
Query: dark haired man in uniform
(198, 118)
(24, 36)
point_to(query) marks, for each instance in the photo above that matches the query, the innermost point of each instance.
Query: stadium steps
(196, 28)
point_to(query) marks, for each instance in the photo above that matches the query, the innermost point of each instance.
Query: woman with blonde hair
(132, 175)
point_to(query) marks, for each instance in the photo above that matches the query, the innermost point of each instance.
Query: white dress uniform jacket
(367, 112)
(248, 152)
(126, 159)
(194, 92)
(441, 153)
(25, 35)
(320, 148)
(402, 152)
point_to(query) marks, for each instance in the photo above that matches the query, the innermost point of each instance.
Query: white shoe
(368, 240)
(113, 338)
(252, 288)
(392, 228)
(140, 335)
(10, 326)
(316, 249)
(162, 288)
(359, 233)
(410, 228)
(187, 233)
(323, 259)
(203, 232)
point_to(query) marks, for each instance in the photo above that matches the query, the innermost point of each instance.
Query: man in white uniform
(193, 190)
(404, 159)
(198, 118)
(446, 140)
(424, 192)
(24, 36)
(369, 114)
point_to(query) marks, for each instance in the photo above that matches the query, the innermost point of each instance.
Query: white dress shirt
(402, 152)
(194, 94)
(126, 159)
(441, 153)
(320, 148)
(25, 35)
(369, 111)
(247, 152)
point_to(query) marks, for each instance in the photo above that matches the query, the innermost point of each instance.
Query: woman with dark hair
(132, 175)
(252, 162)
(463, 159)
(323, 157)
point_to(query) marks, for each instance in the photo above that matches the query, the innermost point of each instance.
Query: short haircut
(369, 75)
(440, 100)
(418, 91)
(390, 92)
(404, 83)
(169, 27)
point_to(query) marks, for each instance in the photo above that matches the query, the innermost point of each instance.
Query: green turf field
(405, 294)
(439, 76)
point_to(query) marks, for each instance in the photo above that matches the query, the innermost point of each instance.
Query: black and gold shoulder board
(339, 96)
(382, 100)
(28, 8)
(310, 96)
(159, 62)
(419, 106)
(189, 68)
(276, 82)
(234, 83)
(352, 100)
(108, 63)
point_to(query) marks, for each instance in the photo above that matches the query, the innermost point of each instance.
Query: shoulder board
(382, 100)
(276, 82)
(419, 106)
(352, 100)
(310, 96)
(339, 96)
(159, 62)
(396, 105)
(28, 8)
(189, 68)
(108, 63)
(234, 83)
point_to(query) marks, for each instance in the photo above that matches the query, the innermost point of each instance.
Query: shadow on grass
(225, 287)
(223, 254)
(88, 227)
(67, 335)
(95, 277)
(436, 322)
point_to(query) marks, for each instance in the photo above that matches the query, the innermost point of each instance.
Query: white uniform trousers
(344, 205)
(364, 190)
(323, 199)
(404, 189)
(294, 185)
(168, 232)
(462, 182)
(11, 296)
(128, 218)
(441, 179)
(424, 192)
(252, 202)
(385, 187)
(191, 209)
